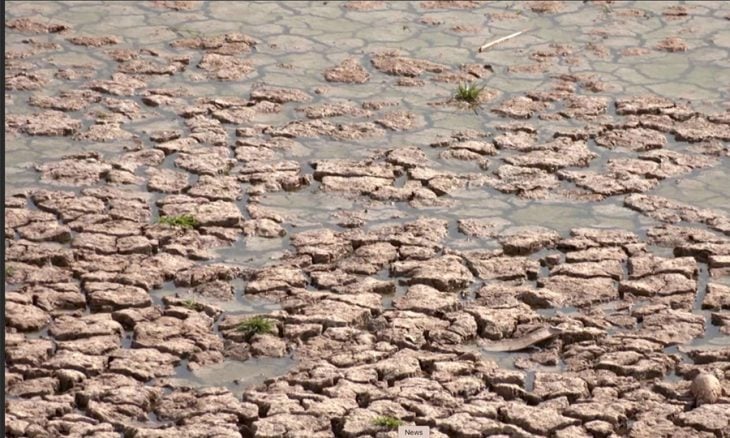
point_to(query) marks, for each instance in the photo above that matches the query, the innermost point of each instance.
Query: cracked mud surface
(360, 245)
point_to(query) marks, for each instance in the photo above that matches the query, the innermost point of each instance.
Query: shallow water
(235, 375)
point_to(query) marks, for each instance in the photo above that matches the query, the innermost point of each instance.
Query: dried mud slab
(348, 71)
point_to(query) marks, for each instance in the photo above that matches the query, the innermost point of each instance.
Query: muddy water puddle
(235, 375)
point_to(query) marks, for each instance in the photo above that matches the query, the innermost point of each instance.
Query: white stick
(497, 41)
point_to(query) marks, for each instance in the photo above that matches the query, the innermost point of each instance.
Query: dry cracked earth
(554, 261)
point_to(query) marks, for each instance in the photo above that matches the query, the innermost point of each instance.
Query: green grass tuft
(192, 305)
(469, 93)
(181, 220)
(391, 423)
(256, 325)
(9, 271)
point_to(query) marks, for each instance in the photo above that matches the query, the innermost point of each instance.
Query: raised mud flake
(542, 421)
(229, 44)
(497, 323)
(334, 109)
(206, 161)
(149, 67)
(666, 210)
(271, 177)
(34, 387)
(278, 94)
(116, 401)
(31, 274)
(348, 71)
(609, 184)
(318, 127)
(399, 120)
(526, 182)
(263, 228)
(113, 296)
(544, 7)
(466, 425)
(47, 123)
(482, 227)
(224, 67)
(643, 104)
(644, 265)
(659, 164)
(561, 152)
(25, 351)
(660, 284)
(288, 424)
(45, 231)
(180, 337)
(90, 365)
(74, 100)
(422, 298)
(24, 316)
(195, 275)
(708, 417)
(353, 168)
(526, 240)
(517, 140)
(142, 364)
(498, 267)
(671, 44)
(330, 313)
(25, 80)
(672, 326)
(582, 291)
(605, 268)
(68, 327)
(636, 139)
(554, 385)
(217, 188)
(583, 238)
(451, 4)
(445, 273)
(717, 297)
(103, 132)
(32, 416)
(613, 413)
(584, 107)
(31, 25)
(520, 107)
(44, 253)
(275, 278)
(90, 41)
(65, 204)
(120, 85)
(406, 157)
(698, 129)
(394, 64)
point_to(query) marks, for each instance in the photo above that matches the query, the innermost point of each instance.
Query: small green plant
(469, 93)
(192, 304)
(9, 271)
(256, 325)
(181, 220)
(391, 423)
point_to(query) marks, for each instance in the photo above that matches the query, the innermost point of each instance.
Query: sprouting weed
(192, 304)
(256, 325)
(391, 423)
(469, 93)
(182, 221)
